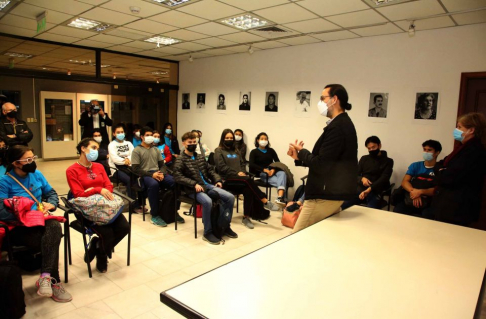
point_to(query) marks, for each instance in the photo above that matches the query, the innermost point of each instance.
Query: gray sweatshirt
(228, 163)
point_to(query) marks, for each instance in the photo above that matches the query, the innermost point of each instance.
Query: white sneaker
(44, 285)
(247, 222)
(271, 206)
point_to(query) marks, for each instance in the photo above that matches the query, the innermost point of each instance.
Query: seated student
(420, 198)
(45, 239)
(147, 162)
(240, 144)
(192, 171)
(201, 148)
(170, 140)
(260, 159)
(136, 141)
(86, 178)
(231, 166)
(164, 149)
(3, 157)
(374, 174)
(102, 151)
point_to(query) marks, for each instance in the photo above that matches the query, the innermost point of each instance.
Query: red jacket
(81, 178)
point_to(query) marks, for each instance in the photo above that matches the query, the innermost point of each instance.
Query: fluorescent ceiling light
(171, 3)
(18, 55)
(90, 25)
(88, 63)
(162, 40)
(159, 72)
(3, 4)
(245, 22)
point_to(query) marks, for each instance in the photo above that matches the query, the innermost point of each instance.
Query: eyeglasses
(323, 97)
(28, 160)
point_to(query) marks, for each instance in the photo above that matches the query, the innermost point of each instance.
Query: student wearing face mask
(201, 148)
(374, 173)
(26, 181)
(240, 144)
(148, 163)
(3, 157)
(86, 178)
(333, 162)
(164, 149)
(136, 140)
(102, 151)
(170, 140)
(13, 130)
(460, 180)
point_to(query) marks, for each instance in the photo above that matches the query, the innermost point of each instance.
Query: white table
(360, 263)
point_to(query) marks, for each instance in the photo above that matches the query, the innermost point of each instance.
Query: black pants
(246, 186)
(111, 234)
(45, 239)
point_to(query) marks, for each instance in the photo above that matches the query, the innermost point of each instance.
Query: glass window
(59, 120)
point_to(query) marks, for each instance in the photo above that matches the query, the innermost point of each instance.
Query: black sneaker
(92, 250)
(210, 238)
(230, 233)
(292, 208)
(102, 262)
(180, 220)
(280, 202)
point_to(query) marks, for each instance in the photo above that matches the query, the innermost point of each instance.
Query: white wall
(430, 61)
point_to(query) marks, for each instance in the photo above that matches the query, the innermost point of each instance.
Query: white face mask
(98, 139)
(263, 143)
(238, 138)
(324, 108)
(149, 139)
(137, 134)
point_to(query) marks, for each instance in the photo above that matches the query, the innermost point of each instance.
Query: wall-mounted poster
(378, 106)
(426, 106)
(302, 103)
(271, 102)
(186, 104)
(201, 101)
(245, 101)
(221, 105)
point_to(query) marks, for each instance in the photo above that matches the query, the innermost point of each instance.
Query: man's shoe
(281, 202)
(230, 233)
(158, 221)
(102, 263)
(292, 208)
(180, 219)
(44, 286)
(60, 294)
(247, 222)
(271, 206)
(92, 250)
(210, 238)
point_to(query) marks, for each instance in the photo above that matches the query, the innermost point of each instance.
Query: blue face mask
(428, 156)
(120, 136)
(458, 135)
(168, 131)
(92, 155)
(156, 140)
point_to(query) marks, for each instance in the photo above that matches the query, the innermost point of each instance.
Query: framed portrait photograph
(271, 102)
(378, 105)
(186, 101)
(302, 104)
(221, 104)
(426, 106)
(245, 101)
(201, 102)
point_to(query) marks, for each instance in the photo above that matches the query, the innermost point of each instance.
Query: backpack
(422, 181)
(12, 303)
(167, 205)
(220, 220)
(258, 212)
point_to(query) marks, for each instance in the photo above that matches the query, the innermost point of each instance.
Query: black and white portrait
(302, 102)
(426, 106)
(378, 106)
(271, 102)
(245, 101)
(186, 104)
(201, 100)
(221, 106)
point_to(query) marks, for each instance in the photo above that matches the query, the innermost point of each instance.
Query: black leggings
(112, 234)
(246, 186)
(45, 239)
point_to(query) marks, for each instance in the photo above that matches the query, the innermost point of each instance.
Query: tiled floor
(161, 258)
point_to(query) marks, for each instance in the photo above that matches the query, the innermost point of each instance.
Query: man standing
(245, 106)
(13, 130)
(93, 118)
(378, 110)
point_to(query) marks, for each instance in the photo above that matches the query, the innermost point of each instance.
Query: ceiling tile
(124, 48)
(299, 40)
(93, 44)
(460, 5)
(359, 18)
(171, 50)
(69, 31)
(274, 35)
(154, 54)
(215, 42)
(32, 48)
(56, 37)
(109, 39)
(409, 10)
(30, 11)
(388, 28)
(147, 9)
(141, 45)
(5, 45)
(66, 6)
(185, 35)
(190, 46)
(426, 24)
(241, 48)
(21, 22)
(470, 18)
(269, 45)
(150, 26)
(142, 33)
(250, 5)
(314, 25)
(242, 37)
(285, 13)
(177, 57)
(178, 19)
(93, 2)
(333, 7)
(210, 9)
(212, 28)
(333, 36)
(128, 35)
(109, 16)
(218, 52)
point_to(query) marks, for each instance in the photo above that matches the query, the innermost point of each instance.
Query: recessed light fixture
(159, 72)
(90, 25)
(245, 22)
(171, 3)
(411, 29)
(18, 55)
(250, 50)
(191, 59)
(4, 3)
(162, 40)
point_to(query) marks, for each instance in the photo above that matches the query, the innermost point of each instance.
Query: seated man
(13, 130)
(102, 151)
(148, 163)
(420, 173)
(374, 174)
(192, 171)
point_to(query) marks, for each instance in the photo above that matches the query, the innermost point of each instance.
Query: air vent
(271, 29)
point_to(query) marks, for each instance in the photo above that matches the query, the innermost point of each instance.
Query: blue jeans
(125, 179)
(372, 201)
(227, 203)
(152, 187)
(278, 180)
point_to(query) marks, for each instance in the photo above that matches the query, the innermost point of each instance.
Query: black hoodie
(378, 170)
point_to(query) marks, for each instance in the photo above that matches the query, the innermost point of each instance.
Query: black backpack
(12, 303)
(167, 204)
(220, 221)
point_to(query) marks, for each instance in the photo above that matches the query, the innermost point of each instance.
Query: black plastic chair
(183, 197)
(268, 188)
(387, 192)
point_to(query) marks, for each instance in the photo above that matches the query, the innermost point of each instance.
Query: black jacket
(86, 122)
(21, 130)
(458, 196)
(187, 171)
(333, 163)
(378, 170)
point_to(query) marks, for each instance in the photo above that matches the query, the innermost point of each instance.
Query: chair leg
(143, 207)
(65, 254)
(69, 245)
(129, 235)
(193, 211)
(237, 203)
(86, 254)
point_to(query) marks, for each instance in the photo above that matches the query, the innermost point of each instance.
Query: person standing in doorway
(94, 118)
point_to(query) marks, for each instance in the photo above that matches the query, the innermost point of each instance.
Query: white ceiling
(198, 23)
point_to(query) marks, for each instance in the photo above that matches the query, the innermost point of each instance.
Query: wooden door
(472, 98)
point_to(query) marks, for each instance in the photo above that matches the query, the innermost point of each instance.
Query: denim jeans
(125, 179)
(372, 201)
(152, 187)
(227, 203)
(278, 180)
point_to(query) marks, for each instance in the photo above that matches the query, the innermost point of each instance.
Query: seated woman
(164, 149)
(260, 159)
(46, 239)
(170, 140)
(201, 148)
(231, 167)
(86, 178)
(3, 157)
(240, 144)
